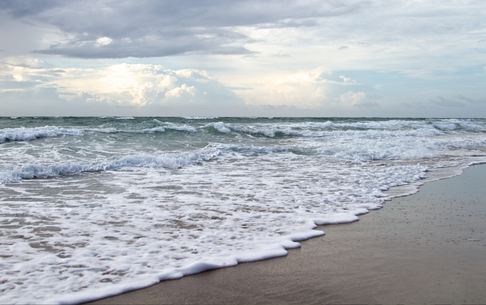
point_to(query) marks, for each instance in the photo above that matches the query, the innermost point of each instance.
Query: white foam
(472, 127)
(164, 126)
(122, 243)
(317, 129)
(168, 160)
(380, 124)
(211, 222)
(149, 130)
(221, 127)
(180, 127)
(26, 134)
(173, 126)
(200, 117)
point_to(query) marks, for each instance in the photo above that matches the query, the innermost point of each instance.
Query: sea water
(95, 206)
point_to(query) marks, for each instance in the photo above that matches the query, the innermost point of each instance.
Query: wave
(168, 125)
(167, 160)
(472, 127)
(321, 130)
(456, 124)
(221, 127)
(379, 124)
(27, 134)
(164, 126)
(359, 149)
(170, 160)
(200, 117)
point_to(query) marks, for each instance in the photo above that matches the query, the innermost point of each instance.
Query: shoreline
(426, 247)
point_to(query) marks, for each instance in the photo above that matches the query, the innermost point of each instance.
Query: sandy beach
(420, 249)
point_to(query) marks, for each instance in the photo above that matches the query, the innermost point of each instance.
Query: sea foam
(30, 171)
(26, 134)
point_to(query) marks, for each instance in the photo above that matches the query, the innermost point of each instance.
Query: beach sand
(426, 248)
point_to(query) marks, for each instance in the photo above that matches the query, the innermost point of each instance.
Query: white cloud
(313, 76)
(305, 89)
(347, 80)
(180, 91)
(104, 41)
(133, 85)
(419, 38)
(353, 99)
(143, 84)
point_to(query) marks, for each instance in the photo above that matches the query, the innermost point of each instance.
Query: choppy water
(92, 207)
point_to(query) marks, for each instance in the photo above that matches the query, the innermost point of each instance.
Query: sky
(327, 58)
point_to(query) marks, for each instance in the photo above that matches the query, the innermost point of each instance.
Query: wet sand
(426, 248)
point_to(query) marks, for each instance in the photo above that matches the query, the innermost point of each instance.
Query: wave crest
(27, 134)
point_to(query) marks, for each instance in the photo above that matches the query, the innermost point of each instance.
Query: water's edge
(393, 192)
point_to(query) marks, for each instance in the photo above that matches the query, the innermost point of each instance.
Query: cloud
(348, 80)
(441, 101)
(104, 41)
(457, 102)
(417, 38)
(408, 49)
(123, 85)
(151, 28)
(23, 8)
(357, 99)
(280, 55)
(305, 89)
(18, 77)
(367, 104)
(143, 84)
(353, 99)
(472, 100)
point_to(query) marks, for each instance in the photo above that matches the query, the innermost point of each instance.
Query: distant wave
(200, 117)
(27, 134)
(173, 126)
(326, 129)
(164, 126)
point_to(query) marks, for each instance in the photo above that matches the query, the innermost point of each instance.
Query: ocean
(96, 206)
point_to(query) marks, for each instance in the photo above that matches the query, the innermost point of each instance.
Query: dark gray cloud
(152, 28)
(22, 8)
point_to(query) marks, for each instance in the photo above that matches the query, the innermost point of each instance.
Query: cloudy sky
(417, 58)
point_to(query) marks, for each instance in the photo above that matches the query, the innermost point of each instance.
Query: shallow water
(96, 206)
